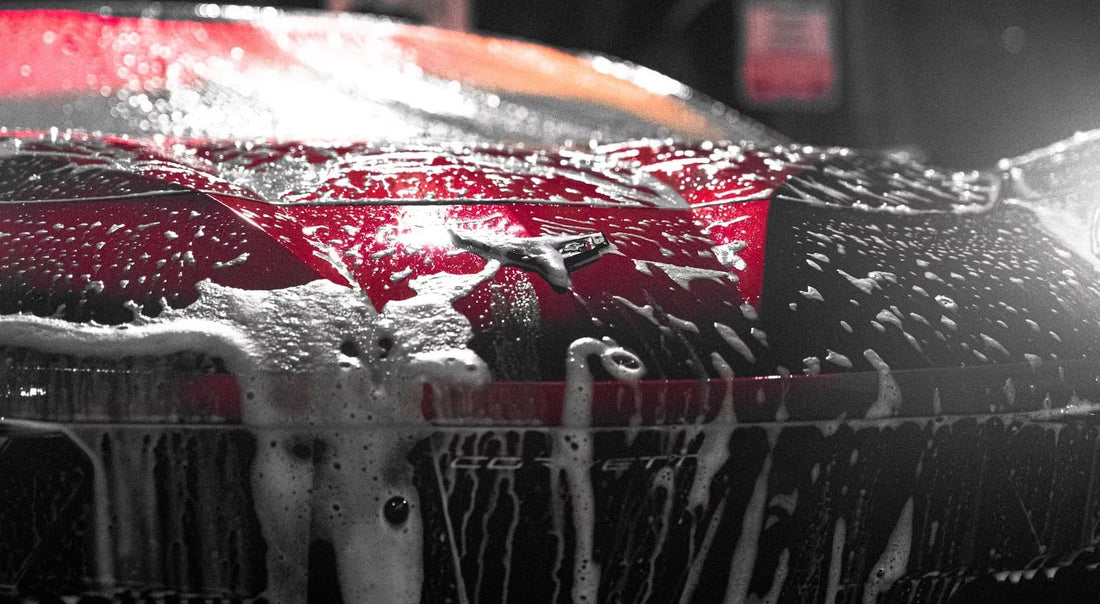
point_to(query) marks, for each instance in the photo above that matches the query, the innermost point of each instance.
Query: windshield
(241, 72)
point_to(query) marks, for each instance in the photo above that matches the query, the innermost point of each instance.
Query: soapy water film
(762, 490)
(768, 489)
(803, 511)
(240, 448)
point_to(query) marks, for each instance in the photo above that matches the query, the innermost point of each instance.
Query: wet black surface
(980, 493)
(44, 519)
(970, 290)
(987, 497)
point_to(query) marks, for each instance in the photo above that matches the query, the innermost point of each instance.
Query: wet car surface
(304, 307)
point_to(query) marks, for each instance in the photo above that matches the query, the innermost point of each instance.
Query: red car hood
(625, 242)
(653, 248)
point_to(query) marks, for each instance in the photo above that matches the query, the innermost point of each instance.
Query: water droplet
(811, 293)
(838, 359)
(396, 510)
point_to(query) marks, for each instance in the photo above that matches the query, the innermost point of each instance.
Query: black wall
(967, 82)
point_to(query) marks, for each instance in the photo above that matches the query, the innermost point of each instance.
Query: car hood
(701, 262)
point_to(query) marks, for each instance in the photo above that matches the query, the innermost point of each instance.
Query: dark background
(965, 81)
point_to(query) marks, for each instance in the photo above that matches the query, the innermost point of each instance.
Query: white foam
(730, 336)
(894, 561)
(573, 450)
(888, 402)
(285, 346)
(683, 275)
(836, 560)
(752, 523)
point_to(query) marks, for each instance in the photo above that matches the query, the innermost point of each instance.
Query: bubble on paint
(683, 276)
(838, 359)
(811, 293)
(730, 336)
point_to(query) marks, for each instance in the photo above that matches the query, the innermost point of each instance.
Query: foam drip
(289, 351)
(573, 450)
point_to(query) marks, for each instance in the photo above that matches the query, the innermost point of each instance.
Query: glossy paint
(621, 369)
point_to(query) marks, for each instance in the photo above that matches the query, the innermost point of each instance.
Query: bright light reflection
(423, 228)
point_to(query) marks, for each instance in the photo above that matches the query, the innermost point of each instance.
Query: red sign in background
(788, 55)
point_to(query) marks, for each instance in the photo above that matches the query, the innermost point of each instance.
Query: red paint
(385, 217)
(64, 52)
(70, 53)
(376, 242)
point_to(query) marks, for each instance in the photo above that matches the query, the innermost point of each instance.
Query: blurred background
(963, 83)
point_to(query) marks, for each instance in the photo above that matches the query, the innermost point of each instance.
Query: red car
(305, 307)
